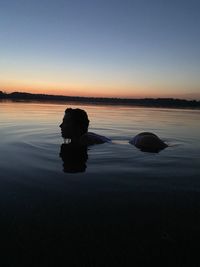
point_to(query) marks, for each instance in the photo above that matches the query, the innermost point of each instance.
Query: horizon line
(100, 97)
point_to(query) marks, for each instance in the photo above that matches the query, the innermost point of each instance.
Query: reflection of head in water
(75, 124)
(74, 158)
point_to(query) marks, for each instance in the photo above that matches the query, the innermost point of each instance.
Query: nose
(61, 125)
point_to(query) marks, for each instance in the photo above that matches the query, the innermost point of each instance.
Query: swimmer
(74, 129)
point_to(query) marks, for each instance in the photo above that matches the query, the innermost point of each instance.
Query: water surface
(127, 207)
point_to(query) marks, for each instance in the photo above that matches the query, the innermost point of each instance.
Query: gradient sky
(129, 48)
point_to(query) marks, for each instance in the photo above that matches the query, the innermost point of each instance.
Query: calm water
(128, 207)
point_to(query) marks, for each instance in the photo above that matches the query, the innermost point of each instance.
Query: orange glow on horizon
(74, 90)
(112, 91)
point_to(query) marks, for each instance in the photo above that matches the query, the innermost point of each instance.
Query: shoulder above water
(94, 139)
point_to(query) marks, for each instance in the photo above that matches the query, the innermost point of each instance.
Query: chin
(63, 135)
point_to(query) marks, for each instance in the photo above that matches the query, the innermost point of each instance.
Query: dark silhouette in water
(74, 158)
(74, 129)
(148, 142)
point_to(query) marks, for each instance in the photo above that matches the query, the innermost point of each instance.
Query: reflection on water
(30, 139)
(74, 158)
(108, 196)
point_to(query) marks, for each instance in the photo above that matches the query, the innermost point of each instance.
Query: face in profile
(75, 124)
(67, 127)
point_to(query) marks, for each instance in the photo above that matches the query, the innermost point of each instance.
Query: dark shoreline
(143, 102)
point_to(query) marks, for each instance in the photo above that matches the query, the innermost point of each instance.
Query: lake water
(127, 208)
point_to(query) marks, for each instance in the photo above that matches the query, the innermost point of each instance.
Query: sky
(104, 48)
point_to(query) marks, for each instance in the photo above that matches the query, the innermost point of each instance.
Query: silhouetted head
(75, 124)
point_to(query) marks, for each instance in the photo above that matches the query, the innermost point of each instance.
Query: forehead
(67, 117)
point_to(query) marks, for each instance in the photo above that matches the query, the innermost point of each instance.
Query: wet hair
(79, 119)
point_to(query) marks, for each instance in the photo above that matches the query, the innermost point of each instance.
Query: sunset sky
(129, 48)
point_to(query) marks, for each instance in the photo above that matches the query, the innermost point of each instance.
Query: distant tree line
(148, 102)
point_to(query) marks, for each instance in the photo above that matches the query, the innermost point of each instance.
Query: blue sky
(101, 48)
